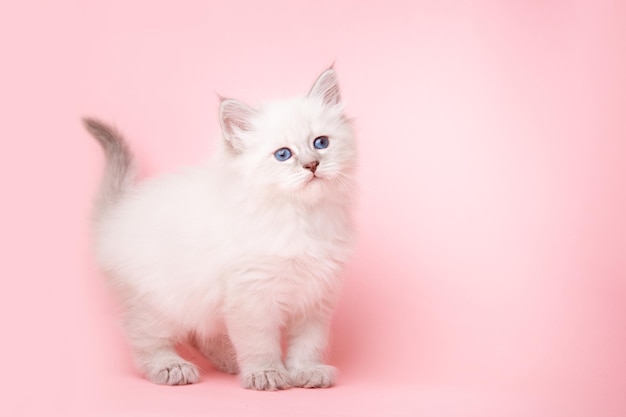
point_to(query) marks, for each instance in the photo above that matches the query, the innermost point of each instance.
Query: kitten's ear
(236, 120)
(327, 88)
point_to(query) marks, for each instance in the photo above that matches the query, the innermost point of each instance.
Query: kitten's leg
(307, 340)
(220, 351)
(153, 342)
(254, 324)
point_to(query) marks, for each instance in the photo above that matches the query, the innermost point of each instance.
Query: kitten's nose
(311, 166)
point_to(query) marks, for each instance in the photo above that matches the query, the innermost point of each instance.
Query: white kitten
(232, 255)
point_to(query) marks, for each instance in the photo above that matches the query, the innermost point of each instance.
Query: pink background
(490, 278)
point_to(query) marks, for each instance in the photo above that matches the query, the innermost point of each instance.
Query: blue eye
(321, 142)
(283, 154)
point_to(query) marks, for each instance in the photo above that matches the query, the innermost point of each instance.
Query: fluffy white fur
(238, 253)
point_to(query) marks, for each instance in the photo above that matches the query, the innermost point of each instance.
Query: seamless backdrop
(490, 276)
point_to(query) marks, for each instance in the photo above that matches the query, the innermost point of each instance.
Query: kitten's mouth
(312, 178)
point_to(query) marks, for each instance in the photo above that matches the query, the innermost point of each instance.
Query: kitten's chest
(300, 257)
(305, 237)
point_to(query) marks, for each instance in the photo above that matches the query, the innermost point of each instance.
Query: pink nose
(311, 166)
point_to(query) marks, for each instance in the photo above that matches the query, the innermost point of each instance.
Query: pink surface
(490, 279)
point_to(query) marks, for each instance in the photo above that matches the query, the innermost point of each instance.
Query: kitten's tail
(120, 171)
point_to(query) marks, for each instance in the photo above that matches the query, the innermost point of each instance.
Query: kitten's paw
(178, 373)
(266, 380)
(318, 376)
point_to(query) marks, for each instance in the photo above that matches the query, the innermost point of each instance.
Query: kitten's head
(300, 149)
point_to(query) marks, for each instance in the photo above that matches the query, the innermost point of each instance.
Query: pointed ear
(236, 120)
(327, 88)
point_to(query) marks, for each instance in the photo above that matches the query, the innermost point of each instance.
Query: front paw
(265, 380)
(316, 376)
(174, 373)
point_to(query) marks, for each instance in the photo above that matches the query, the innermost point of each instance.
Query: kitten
(235, 254)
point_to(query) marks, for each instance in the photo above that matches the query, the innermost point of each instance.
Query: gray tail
(120, 172)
